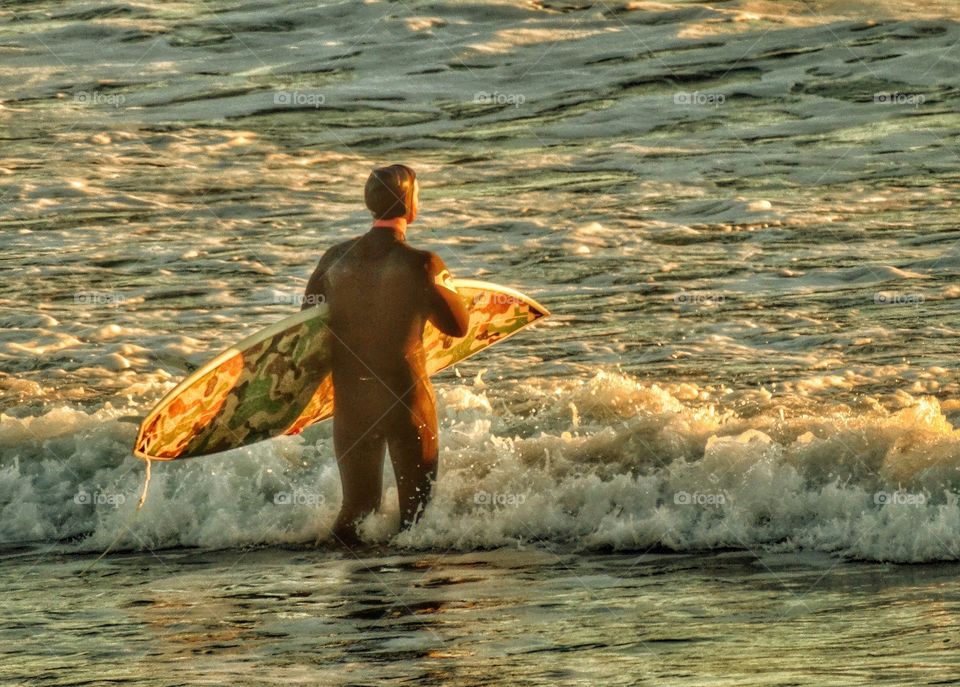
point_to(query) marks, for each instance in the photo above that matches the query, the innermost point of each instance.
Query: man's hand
(448, 312)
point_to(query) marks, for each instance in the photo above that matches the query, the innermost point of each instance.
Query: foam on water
(601, 463)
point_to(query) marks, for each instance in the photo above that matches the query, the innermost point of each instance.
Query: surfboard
(278, 381)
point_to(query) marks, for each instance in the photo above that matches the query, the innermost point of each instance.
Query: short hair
(389, 191)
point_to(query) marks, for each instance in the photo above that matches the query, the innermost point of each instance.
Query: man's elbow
(453, 324)
(459, 329)
(465, 322)
(461, 324)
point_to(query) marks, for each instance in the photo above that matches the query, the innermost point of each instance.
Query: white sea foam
(602, 463)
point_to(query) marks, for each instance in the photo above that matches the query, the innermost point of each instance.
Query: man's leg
(359, 450)
(413, 445)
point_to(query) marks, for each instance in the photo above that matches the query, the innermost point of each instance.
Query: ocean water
(730, 456)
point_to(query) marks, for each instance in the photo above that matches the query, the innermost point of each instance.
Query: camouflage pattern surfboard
(278, 381)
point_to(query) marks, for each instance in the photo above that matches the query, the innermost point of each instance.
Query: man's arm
(315, 293)
(448, 311)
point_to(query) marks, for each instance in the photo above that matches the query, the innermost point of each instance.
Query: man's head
(392, 192)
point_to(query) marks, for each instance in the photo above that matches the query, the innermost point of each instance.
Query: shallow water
(504, 617)
(742, 215)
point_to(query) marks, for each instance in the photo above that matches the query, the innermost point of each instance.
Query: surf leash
(126, 528)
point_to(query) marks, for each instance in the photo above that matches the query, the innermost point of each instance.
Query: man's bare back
(381, 292)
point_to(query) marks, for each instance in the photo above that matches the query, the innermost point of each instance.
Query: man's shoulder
(344, 245)
(339, 249)
(428, 259)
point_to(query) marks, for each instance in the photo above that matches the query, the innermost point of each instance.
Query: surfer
(381, 291)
